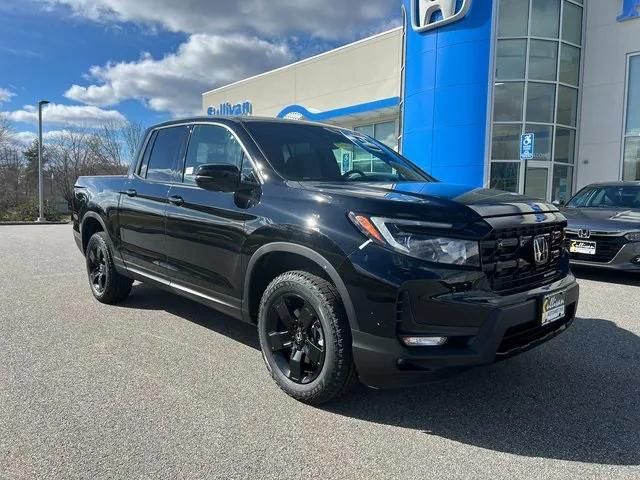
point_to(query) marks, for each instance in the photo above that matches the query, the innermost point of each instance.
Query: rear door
(206, 229)
(143, 205)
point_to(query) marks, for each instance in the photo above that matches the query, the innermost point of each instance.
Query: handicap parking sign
(346, 162)
(527, 146)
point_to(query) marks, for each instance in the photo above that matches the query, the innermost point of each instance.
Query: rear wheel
(305, 337)
(107, 285)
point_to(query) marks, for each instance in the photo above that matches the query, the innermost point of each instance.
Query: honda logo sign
(429, 14)
(541, 249)
(584, 233)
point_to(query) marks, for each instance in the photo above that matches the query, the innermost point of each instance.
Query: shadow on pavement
(602, 275)
(575, 398)
(150, 298)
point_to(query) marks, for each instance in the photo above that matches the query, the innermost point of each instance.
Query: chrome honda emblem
(429, 14)
(584, 233)
(541, 249)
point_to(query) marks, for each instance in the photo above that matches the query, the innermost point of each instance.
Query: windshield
(317, 153)
(613, 196)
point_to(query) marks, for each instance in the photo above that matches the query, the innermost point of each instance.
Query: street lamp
(41, 218)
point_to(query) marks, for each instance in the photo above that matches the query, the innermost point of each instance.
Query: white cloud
(228, 40)
(174, 83)
(69, 115)
(26, 138)
(328, 19)
(5, 95)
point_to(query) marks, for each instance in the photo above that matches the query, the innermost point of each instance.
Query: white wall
(361, 72)
(607, 44)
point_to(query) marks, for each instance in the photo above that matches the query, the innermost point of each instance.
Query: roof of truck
(233, 119)
(615, 184)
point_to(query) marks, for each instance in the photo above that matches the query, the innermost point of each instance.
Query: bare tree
(12, 176)
(82, 152)
(69, 155)
(117, 143)
(6, 130)
(132, 136)
(107, 144)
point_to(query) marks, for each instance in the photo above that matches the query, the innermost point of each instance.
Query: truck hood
(485, 202)
(602, 219)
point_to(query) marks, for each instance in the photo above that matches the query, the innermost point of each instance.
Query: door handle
(176, 200)
(131, 192)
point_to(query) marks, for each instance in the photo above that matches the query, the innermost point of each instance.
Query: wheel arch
(311, 256)
(91, 223)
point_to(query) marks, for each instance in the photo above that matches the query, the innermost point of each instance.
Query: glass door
(536, 181)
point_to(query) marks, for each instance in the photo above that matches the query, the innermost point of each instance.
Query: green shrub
(28, 212)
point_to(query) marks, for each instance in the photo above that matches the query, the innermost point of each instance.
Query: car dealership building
(459, 85)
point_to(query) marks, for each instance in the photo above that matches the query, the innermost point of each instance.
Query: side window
(211, 144)
(166, 149)
(142, 171)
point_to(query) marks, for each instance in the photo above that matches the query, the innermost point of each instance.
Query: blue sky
(149, 60)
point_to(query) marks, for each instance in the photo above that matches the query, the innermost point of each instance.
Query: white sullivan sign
(424, 13)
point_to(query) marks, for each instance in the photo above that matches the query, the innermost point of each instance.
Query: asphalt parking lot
(161, 387)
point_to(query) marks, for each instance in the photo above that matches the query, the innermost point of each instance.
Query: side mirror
(218, 178)
(559, 203)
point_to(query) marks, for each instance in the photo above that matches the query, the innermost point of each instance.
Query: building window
(385, 132)
(508, 102)
(545, 18)
(569, 64)
(505, 176)
(511, 59)
(536, 90)
(513, 18)
(631, 169)
(543, 60)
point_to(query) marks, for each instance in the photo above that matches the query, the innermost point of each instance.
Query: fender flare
(97, 217)
(310, 254)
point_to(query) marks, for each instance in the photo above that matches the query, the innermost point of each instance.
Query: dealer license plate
(580, 246)
(553, 307)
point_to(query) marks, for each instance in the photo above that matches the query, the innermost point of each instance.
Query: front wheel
(107, 285)
(305, 337)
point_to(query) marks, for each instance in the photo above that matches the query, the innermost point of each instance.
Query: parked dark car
(352, 262)
(604, 226)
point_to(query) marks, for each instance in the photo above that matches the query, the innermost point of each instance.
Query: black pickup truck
(352, 262)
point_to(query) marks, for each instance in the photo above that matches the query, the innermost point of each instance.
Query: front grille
(508, 257)
(607, 247)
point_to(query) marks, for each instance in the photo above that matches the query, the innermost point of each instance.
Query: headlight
(633, 236)
(410, 238)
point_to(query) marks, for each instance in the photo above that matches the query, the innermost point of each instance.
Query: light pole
(41, 218)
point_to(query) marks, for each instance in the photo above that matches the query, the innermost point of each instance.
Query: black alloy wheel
(296, 338)
(97, 265)
(305, 337)
(107, 285)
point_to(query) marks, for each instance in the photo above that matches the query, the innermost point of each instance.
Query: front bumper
(494, 328)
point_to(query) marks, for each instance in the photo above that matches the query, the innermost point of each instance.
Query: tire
(106, 284)
(316, 336)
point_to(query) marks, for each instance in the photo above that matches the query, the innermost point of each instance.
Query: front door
(536, 181)
(206, 229)
(143, 203)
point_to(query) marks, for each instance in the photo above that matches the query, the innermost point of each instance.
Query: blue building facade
(446, 91)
